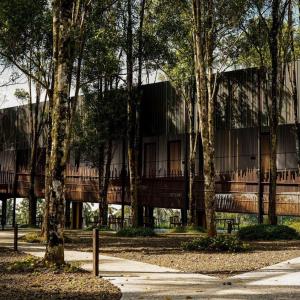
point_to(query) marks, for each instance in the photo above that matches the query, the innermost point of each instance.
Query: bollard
(96, 252)
(16, 237)
(229, 227)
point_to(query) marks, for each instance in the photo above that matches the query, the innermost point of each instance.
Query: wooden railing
(236, 191)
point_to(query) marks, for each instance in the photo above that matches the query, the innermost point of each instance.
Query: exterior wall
(236, 149)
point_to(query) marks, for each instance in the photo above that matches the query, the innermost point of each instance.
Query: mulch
(42, 283)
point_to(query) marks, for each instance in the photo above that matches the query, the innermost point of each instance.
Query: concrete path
(139, 280)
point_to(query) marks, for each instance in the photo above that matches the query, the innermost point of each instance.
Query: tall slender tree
(69, 19)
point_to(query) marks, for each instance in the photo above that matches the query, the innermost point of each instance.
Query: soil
(36, 282)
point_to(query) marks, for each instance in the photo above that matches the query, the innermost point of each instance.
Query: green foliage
(295, 225)
(101, 228)
(187, 229)
(22, 212)
(74, 267)
(135, 232)
(28, 264)
(33, 237)
(222, 243)
(267, 232)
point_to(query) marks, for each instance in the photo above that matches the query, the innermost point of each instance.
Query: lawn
(19, 283)
(165, 250)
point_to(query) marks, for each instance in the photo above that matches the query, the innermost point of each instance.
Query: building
(242, 149)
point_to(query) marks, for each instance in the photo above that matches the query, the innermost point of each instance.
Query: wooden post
(96, 252)
(16, 237)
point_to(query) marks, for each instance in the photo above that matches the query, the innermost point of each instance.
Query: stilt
(32, 211)
(149, 219)
(14, 212)
(79, 215)
(201, 219)
(68, 214)
(4, 212)
(141, 216)
(74, 208)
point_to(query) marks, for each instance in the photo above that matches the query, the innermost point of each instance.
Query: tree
(69, 19)
(271, 16)
(102, 116)
(169, 47)
(214, 25)
(36, 121)
(25, 45)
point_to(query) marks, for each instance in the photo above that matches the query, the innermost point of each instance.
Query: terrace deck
(236, 192)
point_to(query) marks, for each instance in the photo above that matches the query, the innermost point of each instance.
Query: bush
(25, 265)
(101, 228)
(187, 229)
(132, 232)
(295, 225)
(267, 232)
(33, 237)
(220, 243)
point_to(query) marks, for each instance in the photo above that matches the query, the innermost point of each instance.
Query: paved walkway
(139, 280)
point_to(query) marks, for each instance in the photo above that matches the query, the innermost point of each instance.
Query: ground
(40, 283)
(165, 250)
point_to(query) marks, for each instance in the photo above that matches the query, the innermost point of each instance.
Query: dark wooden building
(242, 146)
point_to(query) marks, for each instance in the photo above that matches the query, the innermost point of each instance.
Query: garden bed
(19, 280)
(165, 250)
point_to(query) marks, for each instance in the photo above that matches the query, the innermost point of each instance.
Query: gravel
(41, 283)
(165, 250)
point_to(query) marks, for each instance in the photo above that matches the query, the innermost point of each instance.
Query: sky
(8, 99)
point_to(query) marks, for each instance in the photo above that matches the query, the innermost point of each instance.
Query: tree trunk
(100, 181)
(45, 226)
(273, 48)
(293, 79)
(206, 93)
(106, 183)
(131, 122)
(62, 15)
(33, 157)
(192, 155)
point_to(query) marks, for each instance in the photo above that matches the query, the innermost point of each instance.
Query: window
(150, 160)
(174, 158)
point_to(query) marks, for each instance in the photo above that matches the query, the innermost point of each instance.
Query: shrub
(25, 265)
(33, 237)
(101, 228)
(132, 232)
(267, 232)
(220, 243)
(187, 229)
(295, 225)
